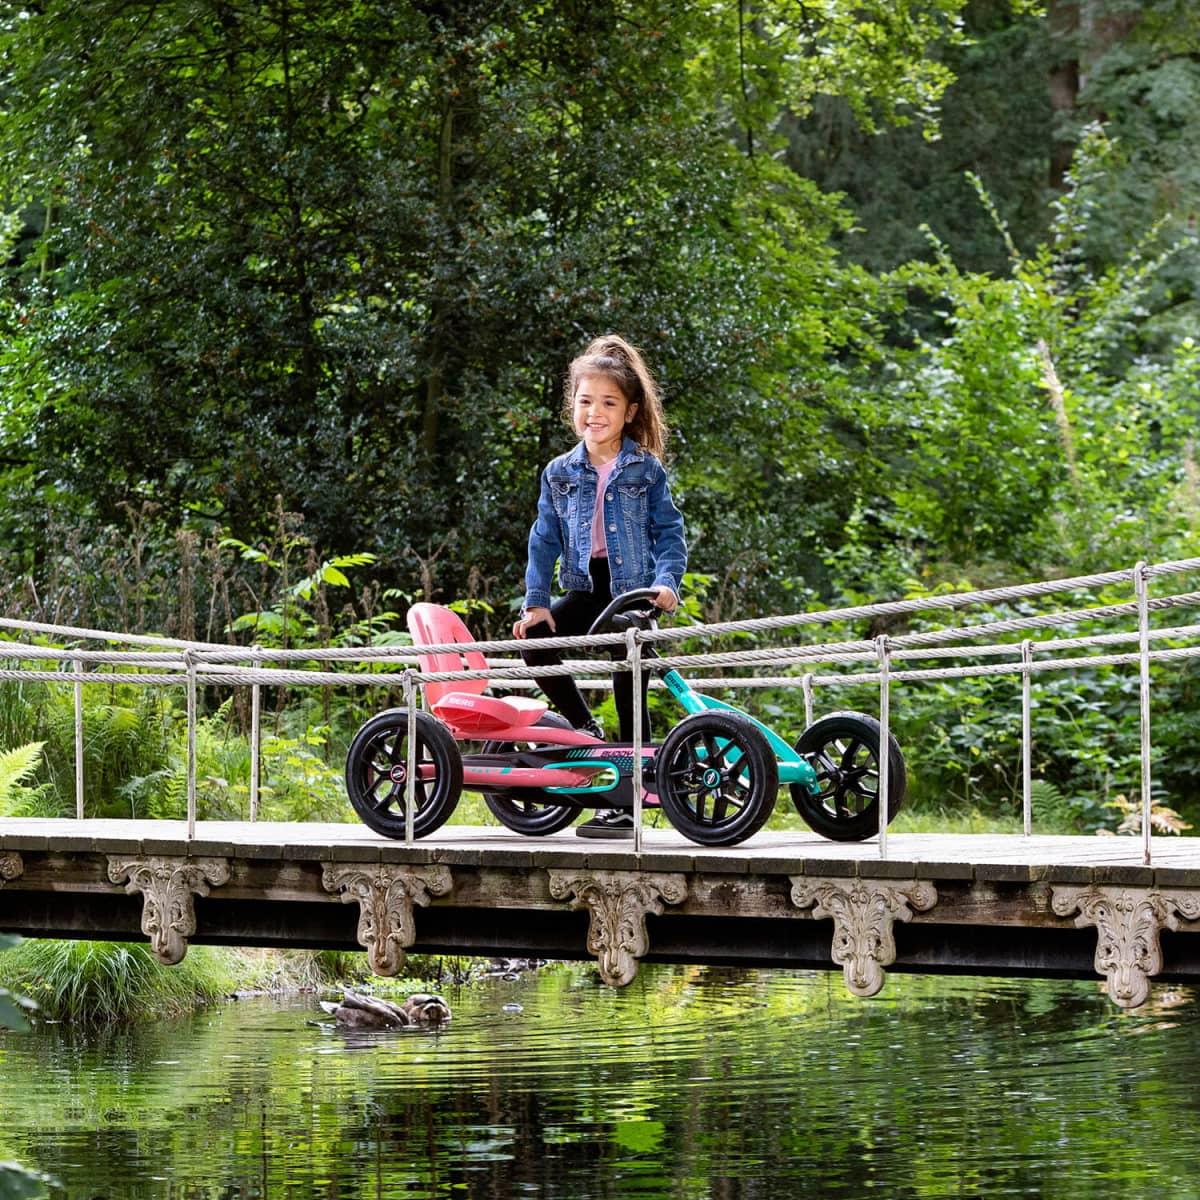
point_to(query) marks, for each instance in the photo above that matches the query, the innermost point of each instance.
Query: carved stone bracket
(385, 897)
(11, 866)
(864, 912)
(168, 887)
(1128, 922)
(617, 903)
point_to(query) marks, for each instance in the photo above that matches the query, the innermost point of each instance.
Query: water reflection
(690, 1083)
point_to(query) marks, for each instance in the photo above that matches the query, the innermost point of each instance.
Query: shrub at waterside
(113, 981)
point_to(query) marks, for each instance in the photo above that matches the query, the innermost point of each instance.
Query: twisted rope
(216, 661)
(950, 601)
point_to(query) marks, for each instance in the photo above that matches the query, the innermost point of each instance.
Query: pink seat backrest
(436, 625)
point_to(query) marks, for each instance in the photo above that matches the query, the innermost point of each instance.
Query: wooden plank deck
(1175, 861)
(980, 904)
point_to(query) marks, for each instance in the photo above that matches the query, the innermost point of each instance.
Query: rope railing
(194, 665)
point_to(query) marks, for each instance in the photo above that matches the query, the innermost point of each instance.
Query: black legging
(573, 615)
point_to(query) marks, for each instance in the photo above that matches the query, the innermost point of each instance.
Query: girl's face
(601, 413)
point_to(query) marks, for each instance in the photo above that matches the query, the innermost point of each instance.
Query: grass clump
(96, 982)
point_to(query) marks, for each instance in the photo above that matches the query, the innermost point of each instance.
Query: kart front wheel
(717, 778)
(530, 811)
(377, 773)
(843, 749)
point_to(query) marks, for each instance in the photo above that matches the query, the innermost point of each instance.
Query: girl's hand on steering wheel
(532, 616)
(666, 599)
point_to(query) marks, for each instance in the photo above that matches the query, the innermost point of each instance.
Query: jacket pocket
(563, 493)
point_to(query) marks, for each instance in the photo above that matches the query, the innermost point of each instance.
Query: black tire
(530, 811)
(843, 749)
(377, 765)
(717, 778)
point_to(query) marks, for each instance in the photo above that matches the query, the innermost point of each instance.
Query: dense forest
(289, 289)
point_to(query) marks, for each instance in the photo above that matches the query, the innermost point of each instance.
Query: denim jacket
(643, 530)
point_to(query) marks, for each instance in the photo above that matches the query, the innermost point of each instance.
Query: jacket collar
(630, 452)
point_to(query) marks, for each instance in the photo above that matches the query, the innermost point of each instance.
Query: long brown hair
(614, 358)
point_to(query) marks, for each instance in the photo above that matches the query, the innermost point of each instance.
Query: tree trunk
(1063, 18)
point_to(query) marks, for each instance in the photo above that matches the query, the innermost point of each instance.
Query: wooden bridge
(1123, 909)
(1058, 906)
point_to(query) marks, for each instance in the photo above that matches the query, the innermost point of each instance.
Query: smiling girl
(606, 516)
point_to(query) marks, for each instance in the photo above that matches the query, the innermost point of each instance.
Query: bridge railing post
(883, 649)
(78, 664)
(410, 772)
(807, 687)
(255, 738)
(633, 650)
(1026, 737)
(1141, 589)
(190, 660)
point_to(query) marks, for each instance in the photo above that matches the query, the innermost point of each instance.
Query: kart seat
(461, 703)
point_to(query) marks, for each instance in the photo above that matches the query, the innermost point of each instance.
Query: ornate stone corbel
(385, 897)
(1128, 922)
(168, 887)
(617, 903)
(11, 866)
(864, 912)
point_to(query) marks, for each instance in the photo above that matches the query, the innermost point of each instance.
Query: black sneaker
(592, 727)
(608, 823)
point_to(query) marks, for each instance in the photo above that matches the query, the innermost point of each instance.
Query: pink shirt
(599, 545)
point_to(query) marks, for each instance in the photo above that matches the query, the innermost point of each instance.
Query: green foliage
(13, 1009)
(302, 784)
(1030, 431)
(16, 768)
(344, 257)
(111, 981)
(128, 732)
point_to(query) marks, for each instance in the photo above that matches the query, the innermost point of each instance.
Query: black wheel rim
(848, 773)
(385, 774)
(711, 778)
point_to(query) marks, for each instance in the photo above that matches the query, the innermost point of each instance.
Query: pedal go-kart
(716, 774)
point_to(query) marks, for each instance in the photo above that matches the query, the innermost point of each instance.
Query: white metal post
(255, 739)
(1026, 737)
(882, 648)
(807, 685)
(410, 773)
(190, 660)
(79, 741)
(634, 652)
(1143, 603)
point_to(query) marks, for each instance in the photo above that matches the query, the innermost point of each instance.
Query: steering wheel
(636, 608)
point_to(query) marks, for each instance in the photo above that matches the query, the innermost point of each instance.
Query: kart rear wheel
(843, 749)
(377, 773)
(717, 778)
(530, 811)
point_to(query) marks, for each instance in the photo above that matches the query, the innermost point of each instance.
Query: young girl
(606, 516)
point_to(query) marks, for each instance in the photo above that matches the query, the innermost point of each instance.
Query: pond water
(690, 1083)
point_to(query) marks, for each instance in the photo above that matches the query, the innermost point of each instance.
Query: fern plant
(17, 767)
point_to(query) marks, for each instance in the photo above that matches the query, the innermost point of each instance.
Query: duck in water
(356, 1011)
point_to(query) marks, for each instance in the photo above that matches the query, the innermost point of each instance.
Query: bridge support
(1128, 923)
(11, 867)
(618, 903)
(169, 887)
(864, 912)
(386, 896)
